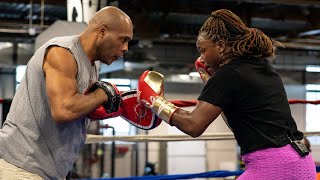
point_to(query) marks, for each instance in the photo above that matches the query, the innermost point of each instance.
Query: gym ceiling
(172, 22)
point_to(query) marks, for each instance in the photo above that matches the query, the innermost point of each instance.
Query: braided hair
(244, 41)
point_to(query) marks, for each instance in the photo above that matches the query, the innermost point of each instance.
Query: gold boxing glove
(150, 89)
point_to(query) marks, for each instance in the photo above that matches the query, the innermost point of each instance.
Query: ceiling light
(312, 68)
(194, 74)
(313, 87)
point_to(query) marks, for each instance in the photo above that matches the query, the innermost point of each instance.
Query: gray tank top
(30, 138)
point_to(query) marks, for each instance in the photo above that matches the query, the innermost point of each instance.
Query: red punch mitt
(202, 70)
(136, 113)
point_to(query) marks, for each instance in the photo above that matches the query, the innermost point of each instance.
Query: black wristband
(114, 99)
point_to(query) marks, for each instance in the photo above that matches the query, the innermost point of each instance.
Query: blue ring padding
(221, 173)
(210, 174)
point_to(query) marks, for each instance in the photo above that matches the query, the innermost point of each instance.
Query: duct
(289, 67)
(17, 31)
(306, 41)
(33, 31)
(277, 25)
(298, 44)
(309, 33)
(301, 46)
(304, 3)
(59, 28)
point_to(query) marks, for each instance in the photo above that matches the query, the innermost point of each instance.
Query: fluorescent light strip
(194, 74)
(312, 68)
(313, 87)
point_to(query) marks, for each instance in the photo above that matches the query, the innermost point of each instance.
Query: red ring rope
(299, 101)
(183, 103)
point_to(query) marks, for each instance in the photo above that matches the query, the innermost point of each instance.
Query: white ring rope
(91, 139)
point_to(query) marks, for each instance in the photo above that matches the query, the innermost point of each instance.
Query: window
(122, 84)
(121, 126)
(312, 112)
(20, 70)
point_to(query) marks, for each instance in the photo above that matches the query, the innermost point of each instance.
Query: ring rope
(186, 103)
(300, 101)
(181, 103)
(91, 139)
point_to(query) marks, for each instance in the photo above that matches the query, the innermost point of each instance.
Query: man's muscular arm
(66, 103)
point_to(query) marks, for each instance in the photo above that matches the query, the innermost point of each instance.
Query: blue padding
(210, 174)
(179, 176)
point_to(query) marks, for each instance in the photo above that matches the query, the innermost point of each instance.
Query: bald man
(46, 124)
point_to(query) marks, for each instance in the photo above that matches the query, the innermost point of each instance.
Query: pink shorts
(278, 163)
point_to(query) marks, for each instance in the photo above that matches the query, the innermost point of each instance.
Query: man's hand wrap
(150, 89)
(111, 107)
(202, 70)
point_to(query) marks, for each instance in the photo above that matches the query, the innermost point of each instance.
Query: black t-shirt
(253, 99)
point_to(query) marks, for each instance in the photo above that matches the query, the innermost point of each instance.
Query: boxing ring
(92, 139)
(158, 138)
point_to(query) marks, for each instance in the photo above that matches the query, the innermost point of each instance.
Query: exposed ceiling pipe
(19, 25)
(309, 41)
(313, 3)
(309, 33)
(301, 46)
(32, 31)
(17, 31)
(30, 13)
(42, 14)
